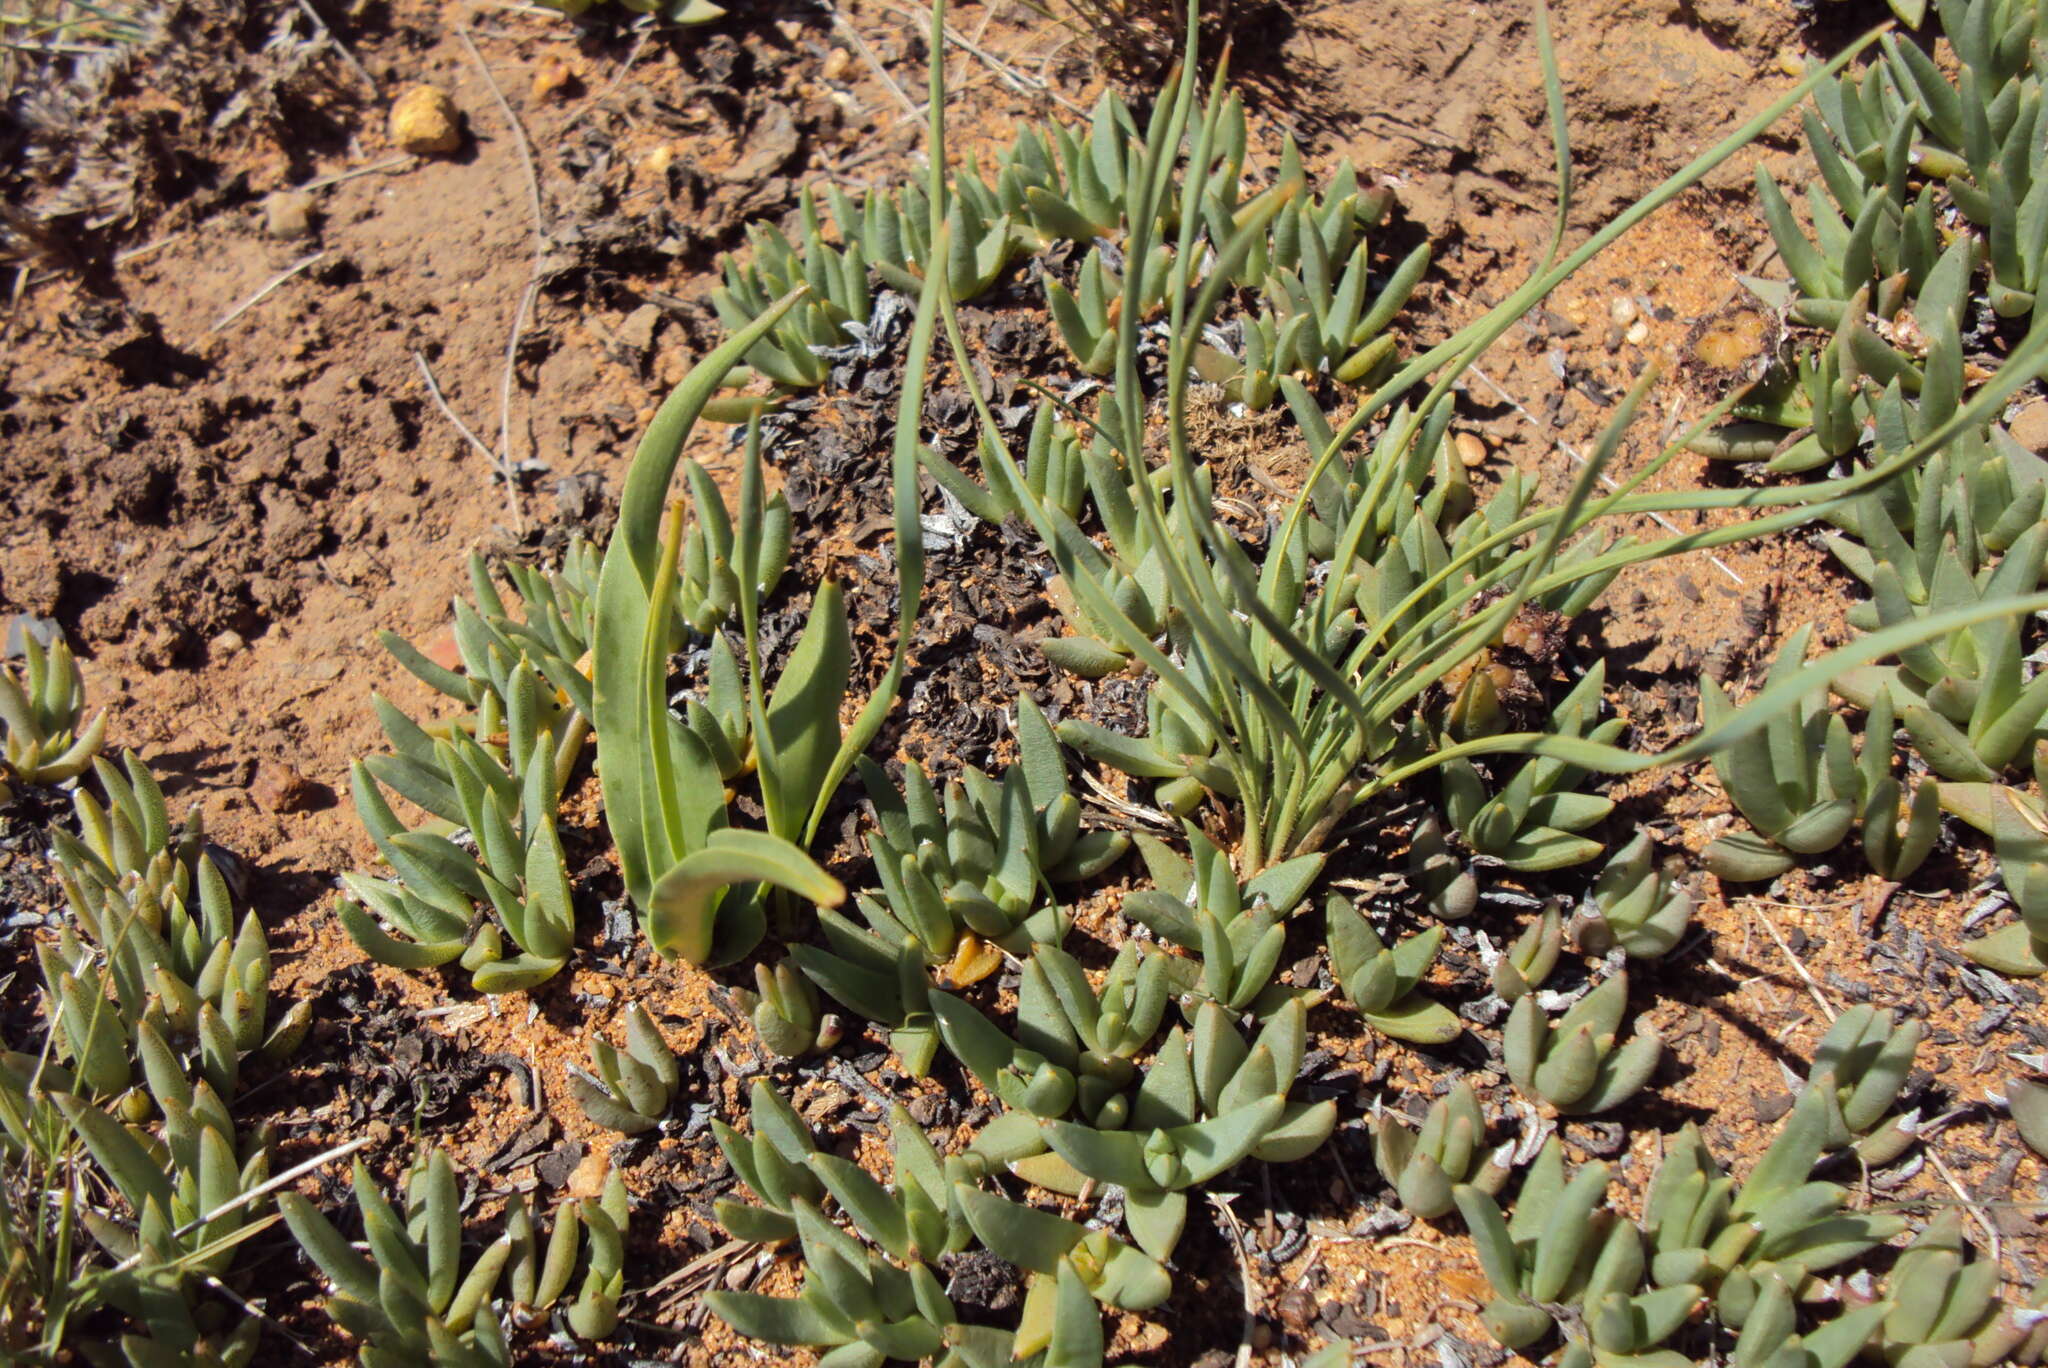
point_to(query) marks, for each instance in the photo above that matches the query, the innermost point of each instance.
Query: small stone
(2030, 427)
(587, 1178)
(655, 164)
(288, 214)
(282, 789)
(425, 122)
(1622, 310)
(1638, 331)
(836, 63)
(226, 644)
(553, 78)
(1471, 450)
(636, 333)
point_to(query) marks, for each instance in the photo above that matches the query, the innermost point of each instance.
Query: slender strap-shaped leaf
(682, 903)
(626, 583)
(1476, 337)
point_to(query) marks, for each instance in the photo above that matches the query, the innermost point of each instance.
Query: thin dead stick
(122, 258)
(1826, 1008)
(1568, 449)
(434, 390)
(347, 57)
(1228, 1219)
(594, 101)
(491, 457)
(1015, 79)
(526, 296)
(1994, 1246)
(392, 162)
(242, 1199)
(867, 54)
(518, 135)
(257, 1312)
(264, 292)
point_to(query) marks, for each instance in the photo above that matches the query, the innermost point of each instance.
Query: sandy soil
(225, 471)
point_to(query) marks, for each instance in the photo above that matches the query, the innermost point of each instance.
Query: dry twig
(264, 291)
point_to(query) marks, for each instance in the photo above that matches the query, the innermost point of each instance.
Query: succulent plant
(884, 1303)
(632, 1090)
(1380, 982)
(853, 1299)
(1866, 1057)
(435, 904)
(1114, 1273)
(44, 737)
(1633, 906)
(1796, 780)
(1236, 930)
(1535, 821)
(1945, 1307)
(1527, 963)
(1448, 887)
(2028, 1102)
(1094, 1033)
(161, 940)
(199, 1169)
(1576, 1063)
(780, 1163)
(1894, 848)
(1563, 1246)
(2018, 829)
(1965, 700)
(1449, 1151)
(839, 296)
(539, 1274)
(784, 1009)
(1770, 1334)
(1778, 1226)
(413, 1303)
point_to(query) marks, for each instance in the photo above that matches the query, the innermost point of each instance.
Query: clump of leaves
(1381, 981)
(42, 715)
(784, 1009)
(1633, 905)
(1527, 963)
(1578, 1063)
(1862, 1064)
(633, 1089)
(416, 1301)
(1426, 1166)
(1795, 779)
(700, 883)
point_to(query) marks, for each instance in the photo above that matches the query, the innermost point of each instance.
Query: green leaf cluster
(632, 1089)
(418, 1300)
(44, 737)
(1578, 1063)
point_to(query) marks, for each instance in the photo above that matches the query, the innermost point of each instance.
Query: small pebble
(552, 78)
(1471, 450)
(226, 644)
(1622, 310)
(1638, 332)
(282, 789)
(425, 122)
(2030, 427)
(836, 63)
(655, 164)
(288, 214)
